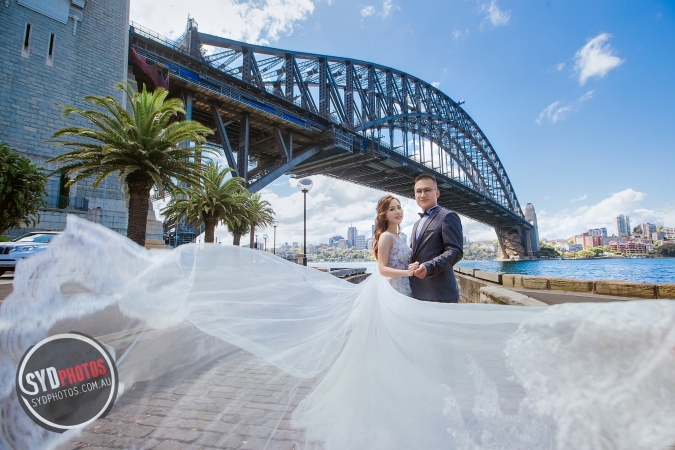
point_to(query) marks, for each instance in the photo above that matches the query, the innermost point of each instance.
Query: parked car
(23, 247)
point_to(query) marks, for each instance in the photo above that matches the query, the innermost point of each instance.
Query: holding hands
(418, 270)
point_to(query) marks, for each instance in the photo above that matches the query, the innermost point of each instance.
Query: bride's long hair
(381, 222)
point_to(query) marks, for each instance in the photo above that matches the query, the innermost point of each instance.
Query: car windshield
(40, 238)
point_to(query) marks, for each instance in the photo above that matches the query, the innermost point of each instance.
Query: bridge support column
(242, 154)
(514, 241)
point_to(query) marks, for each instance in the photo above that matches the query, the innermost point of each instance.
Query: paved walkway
(204, 408)
(6, 287)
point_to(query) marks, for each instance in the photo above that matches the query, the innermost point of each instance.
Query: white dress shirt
(420, 225)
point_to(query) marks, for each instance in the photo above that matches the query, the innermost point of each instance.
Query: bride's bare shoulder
(386, 237)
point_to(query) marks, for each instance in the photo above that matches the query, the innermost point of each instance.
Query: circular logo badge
(66, 381)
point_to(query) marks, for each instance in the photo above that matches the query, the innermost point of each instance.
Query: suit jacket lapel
(414, 237)
(424, 228)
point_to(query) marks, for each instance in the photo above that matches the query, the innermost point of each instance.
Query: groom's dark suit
(439, 248)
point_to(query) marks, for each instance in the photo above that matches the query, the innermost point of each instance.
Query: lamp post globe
(275, 224)
(305, 185)
(265, 238)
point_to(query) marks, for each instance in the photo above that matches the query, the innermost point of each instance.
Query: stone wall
(89, 57)
(559, 290)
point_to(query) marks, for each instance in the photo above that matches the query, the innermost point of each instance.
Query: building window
(26, 41)
(50, 49)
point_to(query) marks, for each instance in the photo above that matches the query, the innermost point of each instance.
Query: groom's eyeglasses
(426, 191)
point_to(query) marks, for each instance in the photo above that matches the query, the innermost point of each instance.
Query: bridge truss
(276, 111)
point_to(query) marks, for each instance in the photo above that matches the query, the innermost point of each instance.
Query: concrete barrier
(625, 289)
(503, 296)
(555, 290)
(494, 277)
(666, 291)
(528, 282)
(570, 285)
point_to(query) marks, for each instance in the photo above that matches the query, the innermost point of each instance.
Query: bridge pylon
(514, 241)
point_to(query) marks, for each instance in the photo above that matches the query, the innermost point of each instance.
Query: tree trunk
(236, 239)
(252, 235)
(139, 196)
(210, 229)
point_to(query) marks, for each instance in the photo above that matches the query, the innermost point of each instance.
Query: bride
(392, 254)
(229, 347)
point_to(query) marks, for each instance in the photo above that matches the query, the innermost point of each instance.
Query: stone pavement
(202, 408)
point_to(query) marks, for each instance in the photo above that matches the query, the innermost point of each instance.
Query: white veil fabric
(256, 344)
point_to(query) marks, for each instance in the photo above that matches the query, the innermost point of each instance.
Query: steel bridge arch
(394, 121)
(278, 112)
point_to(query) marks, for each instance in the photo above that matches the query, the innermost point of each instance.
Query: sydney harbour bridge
(277, 112)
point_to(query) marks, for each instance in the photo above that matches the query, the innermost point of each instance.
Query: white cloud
(557, 111)
(494, 15)
(560, 66)
(368, 11)
(459, 34)
(332, 206)
(595, 59)
(580, 198)
(435, 83)
(258, 22)
(388, 7)
(569, 222)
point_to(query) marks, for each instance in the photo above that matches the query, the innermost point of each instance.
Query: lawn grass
(5, 239)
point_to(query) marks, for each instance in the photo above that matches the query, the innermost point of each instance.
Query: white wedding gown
(351, 366)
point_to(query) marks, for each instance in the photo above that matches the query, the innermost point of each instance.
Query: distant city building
(404, 237)
(668, 233)
(646, 229)
(531, 216)
(295, 244)
(311, 249)
(342, 244)
(602, 232)
(334, 240)
(629, 247)
(622, 225)
(285, 247)
(607, 240)
(351, 236)
(373, 231)
(360, 242)
(658, 236)
(587, 241)
(572, 247)
(369, 243)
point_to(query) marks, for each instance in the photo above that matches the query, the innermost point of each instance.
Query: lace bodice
(399, 258)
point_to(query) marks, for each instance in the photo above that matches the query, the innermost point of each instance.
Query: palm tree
(210, 202)
(145, 146)
(259, 213)
(238, 226)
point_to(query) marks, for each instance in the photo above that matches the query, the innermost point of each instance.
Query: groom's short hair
(426, 175)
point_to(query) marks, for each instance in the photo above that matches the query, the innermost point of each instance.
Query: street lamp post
(275, 224)
(265, 238)
(256, 242)
(305, 185)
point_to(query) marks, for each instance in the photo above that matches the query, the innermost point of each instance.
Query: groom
(437, 241)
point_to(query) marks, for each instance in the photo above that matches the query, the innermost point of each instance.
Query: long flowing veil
(224, 347)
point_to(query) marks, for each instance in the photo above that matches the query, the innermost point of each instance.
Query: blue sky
(577, 97)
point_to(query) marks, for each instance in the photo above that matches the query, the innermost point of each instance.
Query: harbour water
(648, 270)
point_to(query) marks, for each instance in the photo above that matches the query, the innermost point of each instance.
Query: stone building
(57, 52)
